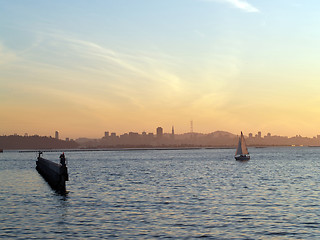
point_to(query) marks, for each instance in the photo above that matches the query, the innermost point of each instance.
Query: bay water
(161, 194)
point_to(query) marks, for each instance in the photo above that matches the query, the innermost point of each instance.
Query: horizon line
(164, 133)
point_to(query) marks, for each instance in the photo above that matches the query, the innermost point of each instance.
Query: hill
(34, 142)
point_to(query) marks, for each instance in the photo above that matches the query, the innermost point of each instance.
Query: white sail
(239, 148)
(242, 148)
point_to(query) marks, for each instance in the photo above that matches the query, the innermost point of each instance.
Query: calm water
(182, 194)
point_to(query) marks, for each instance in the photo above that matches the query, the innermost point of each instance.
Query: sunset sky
(86, 67)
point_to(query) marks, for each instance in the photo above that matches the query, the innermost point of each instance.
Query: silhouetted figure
(39, 154)
(62, 159)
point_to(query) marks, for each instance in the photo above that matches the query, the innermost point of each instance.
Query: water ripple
(185, 194)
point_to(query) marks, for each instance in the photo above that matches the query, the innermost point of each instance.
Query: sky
(83, 67)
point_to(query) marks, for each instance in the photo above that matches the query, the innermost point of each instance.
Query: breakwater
(56, 174)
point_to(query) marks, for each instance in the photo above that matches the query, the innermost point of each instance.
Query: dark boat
(56, 174)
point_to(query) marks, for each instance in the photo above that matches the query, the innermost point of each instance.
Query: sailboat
(242, 153)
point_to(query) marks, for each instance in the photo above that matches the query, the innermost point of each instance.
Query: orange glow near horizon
(251, 73)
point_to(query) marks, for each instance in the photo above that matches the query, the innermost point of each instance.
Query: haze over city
(84, 67)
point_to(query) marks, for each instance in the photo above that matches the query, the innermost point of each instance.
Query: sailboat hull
(242, 158)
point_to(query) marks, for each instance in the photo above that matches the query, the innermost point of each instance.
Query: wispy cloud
(94, 71)
(7, 55)
(241, 4)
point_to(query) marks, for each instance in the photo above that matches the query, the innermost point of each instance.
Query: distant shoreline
(120, 149)
(141, 149)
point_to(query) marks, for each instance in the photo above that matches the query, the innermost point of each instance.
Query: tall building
(106, 134)
(159, 132)
(172, 132)
(56, 136)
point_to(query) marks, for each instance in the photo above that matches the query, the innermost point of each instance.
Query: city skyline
(160, 132)
(84, 66)
(160, 139)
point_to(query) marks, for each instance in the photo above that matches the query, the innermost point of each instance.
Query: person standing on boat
(62, 159)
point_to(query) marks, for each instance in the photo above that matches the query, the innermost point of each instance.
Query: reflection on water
(165, 194)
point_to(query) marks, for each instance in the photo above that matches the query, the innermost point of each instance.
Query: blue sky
(136, 65)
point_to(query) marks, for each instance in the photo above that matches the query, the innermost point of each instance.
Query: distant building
(133, 134)
(159, 132)
(106, 134)
(56, 136)
(172, 132)
(250, 135)
(259, 134)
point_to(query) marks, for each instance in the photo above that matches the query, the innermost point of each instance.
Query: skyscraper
(172, 132)
(159, 132)
(56, 136)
